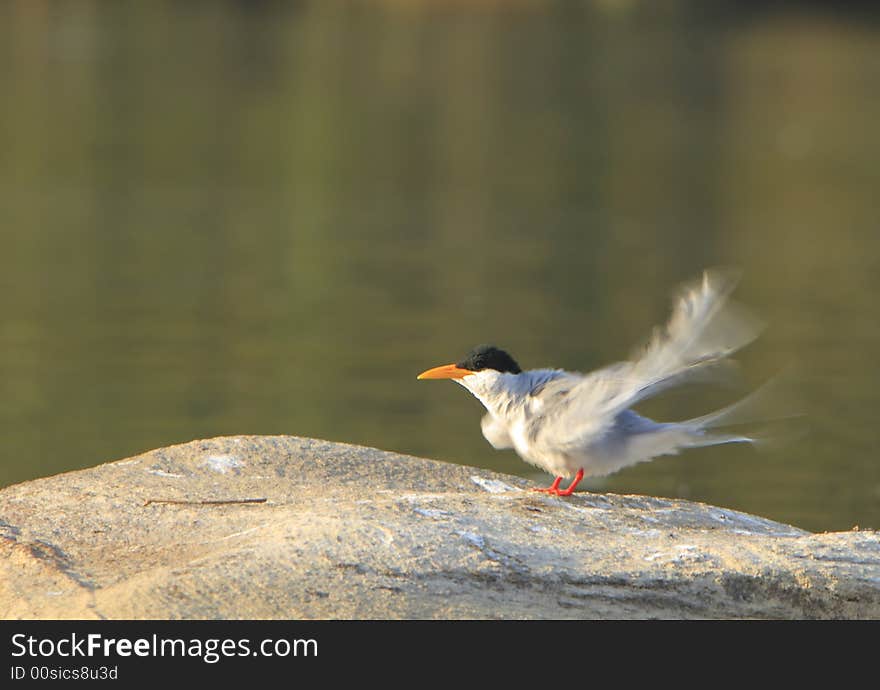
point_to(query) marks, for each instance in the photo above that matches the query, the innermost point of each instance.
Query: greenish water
(234, 218)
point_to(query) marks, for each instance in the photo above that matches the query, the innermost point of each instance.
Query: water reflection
(219, 220)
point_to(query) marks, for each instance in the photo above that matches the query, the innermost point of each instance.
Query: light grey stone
(353, 532)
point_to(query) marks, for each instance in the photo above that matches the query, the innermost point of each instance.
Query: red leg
(556, 491)
(570, 490)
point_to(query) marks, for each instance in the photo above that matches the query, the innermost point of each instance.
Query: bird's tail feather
(698, 440)
(765, 428)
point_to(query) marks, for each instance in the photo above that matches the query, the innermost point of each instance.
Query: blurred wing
(575, 411)
(703, 331)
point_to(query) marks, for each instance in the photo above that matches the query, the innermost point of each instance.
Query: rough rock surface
(352, 532)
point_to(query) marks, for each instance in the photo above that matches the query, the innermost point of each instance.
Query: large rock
(351, 532)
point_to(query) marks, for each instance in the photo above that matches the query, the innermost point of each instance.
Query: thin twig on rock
(230, 501)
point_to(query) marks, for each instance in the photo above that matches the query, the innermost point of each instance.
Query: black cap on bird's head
(489, 357)
(480, 358)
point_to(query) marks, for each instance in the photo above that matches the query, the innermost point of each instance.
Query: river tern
(569, 423)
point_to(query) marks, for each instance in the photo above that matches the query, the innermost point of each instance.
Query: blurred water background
(268, 217)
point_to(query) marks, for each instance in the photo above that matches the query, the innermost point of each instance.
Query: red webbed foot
(554, 489)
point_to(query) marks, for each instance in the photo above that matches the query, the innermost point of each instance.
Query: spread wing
(703, 331)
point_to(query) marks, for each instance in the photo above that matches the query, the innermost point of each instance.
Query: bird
(583, 425)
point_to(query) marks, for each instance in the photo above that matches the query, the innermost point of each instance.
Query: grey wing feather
(703, 330)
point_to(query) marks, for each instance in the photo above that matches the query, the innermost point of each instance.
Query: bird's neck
(501, 394)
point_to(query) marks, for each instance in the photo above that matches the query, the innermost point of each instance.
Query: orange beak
(447, 371)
